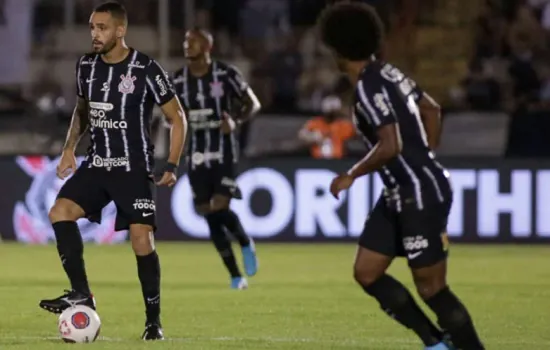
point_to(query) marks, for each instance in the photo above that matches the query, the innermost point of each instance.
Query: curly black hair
(353, 30)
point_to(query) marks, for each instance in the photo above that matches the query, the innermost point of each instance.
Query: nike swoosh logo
(150, 300)
(90, 80)
(413, 256)
(74, 301)
(147, 214)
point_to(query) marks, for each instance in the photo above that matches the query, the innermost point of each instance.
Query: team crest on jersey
(126, 85)
(216, 89)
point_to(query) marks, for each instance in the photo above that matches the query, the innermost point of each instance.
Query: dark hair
(116, 9)
(354, 30)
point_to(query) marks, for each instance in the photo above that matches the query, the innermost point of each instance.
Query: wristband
(170, 168)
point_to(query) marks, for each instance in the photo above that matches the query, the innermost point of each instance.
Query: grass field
(302, 298)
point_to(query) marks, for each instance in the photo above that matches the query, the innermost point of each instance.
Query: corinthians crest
(126, 85)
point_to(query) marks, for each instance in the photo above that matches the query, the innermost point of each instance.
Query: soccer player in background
(400, 125)
(216, 98)
(117, 87)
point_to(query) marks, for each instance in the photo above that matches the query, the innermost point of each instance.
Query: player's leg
(377, 248)
(225, 189)
(81, 196)
(220, 207)
(134, 197)
(222, 243)
(427, 255)
(202, 182)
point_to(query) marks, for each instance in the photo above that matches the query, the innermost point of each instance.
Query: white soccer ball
(79, 324)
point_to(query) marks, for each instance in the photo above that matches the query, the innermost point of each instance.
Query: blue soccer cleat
(440, 346)
(249, 258)
(239, 283)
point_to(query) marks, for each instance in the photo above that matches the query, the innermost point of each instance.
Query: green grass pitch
(303, 298)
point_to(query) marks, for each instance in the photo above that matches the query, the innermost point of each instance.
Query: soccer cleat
(249, 258)
(239, 283)
(153, 331)
(440, 346)
(69, 299)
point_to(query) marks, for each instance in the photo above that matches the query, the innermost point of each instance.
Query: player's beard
(106, 48)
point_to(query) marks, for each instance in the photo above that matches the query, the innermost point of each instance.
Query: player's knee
(366, 276)
(219, 203)
(142, 239)
(428, 285)
(203, 209)
(63, 210)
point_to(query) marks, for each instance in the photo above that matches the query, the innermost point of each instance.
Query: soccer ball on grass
(79, 324)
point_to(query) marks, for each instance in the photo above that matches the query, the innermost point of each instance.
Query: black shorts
(420, 235)
(217, 179)
(132, 192)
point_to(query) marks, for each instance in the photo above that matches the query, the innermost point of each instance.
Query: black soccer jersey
(120, 101)
(384, 95)
(205, 99)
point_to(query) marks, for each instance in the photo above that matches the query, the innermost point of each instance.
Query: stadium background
(486, 62)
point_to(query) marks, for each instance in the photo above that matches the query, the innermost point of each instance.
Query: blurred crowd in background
(471, 55)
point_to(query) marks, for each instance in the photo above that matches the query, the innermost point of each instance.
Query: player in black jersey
(117, 88)
(410, 217)
(216, 98)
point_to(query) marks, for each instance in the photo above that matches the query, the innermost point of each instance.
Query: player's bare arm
(388, 147)
(175, 116)
(79, 125)
(431, 118)
(250, 106)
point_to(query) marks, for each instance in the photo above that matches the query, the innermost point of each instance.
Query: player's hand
(168, 179)
(340, 183)
(228, 124)
(66, 166)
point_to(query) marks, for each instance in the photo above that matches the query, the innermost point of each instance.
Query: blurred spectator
(285, 66)
(481, 91)
(525, 81)
(525, 30)
(327, 135)
(489, 34)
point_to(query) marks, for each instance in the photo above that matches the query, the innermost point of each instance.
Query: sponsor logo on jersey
(100, 162)
(161, 84)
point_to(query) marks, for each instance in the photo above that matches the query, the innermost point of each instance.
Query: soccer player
(400, 125)
(117, 87)
(216, 98)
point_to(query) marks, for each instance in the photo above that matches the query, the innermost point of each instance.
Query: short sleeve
(159, 84)
(415, 91)
(78, 78)
(375, 101)
(236, 81)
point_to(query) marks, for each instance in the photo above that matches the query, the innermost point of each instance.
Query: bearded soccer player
(216, 98)
(401, 126)
(117, 87)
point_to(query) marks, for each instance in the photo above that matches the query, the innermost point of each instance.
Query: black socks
(399, 304)
(71, 253)
(233, 224)
(455, 319)
(222, 243)
(149, 276)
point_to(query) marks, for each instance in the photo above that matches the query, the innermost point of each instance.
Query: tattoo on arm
(79, 125)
